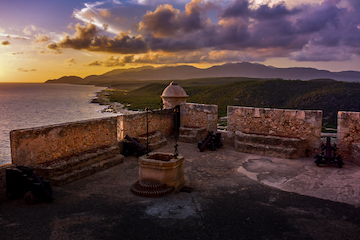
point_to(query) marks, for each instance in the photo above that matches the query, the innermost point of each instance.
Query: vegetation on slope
(324, 94)
(141, 98)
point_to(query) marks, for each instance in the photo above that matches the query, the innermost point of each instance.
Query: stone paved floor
(304, 177)
(234, 196)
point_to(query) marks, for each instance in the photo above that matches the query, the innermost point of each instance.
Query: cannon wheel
(340, 162)
(29, 197)
(49, 190)
(317, 161)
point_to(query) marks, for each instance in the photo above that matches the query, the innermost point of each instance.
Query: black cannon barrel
(46, 192)
(328, 148)
(141, 147)
(203, 146)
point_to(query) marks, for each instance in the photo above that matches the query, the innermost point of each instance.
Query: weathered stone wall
(199, 115)
(227, 137)
(279, 122)
(134, 125)
(348, 136)
(50, 143)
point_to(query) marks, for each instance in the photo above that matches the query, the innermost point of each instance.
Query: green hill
(324, 94)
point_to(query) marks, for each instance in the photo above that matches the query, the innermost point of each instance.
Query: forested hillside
(328, 95)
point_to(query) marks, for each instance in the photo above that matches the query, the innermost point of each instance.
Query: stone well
(163, 168)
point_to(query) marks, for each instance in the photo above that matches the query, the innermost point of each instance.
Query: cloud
(158, 2)
(17, 53)
(105, 13)
(86, 37)
(167, 21)
(41, 38)
(234, 56)
(26, 70)
(52, 46)
(12, 36)
(237, 9)
(82, 39)
(5, 43)
(26, 31)
(239, 29)
(70, 61)
(161, 23)
(52, 49)
(99, 15)
(50, 52)
(112, 61)
(320, 53)
(167, 58)
(29, 30)
(199, 56)
(94, 63)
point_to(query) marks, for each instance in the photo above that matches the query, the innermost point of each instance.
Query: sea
(27, 105)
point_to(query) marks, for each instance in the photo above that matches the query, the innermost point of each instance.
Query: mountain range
(243, 69)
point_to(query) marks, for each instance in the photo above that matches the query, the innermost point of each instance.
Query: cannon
(212, 141)
(24, 181)
(133, 146)
(328, 154)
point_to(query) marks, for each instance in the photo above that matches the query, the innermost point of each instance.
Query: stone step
(156, 145)
(188, 138)
(287, 142)
(86, 171)
(156, 140)
(192, 134)
(153, 138)
(59, 168)
(267, 150)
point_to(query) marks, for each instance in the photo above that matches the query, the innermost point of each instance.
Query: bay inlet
(26, 105)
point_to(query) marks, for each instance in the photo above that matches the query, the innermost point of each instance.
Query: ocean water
(25, 105)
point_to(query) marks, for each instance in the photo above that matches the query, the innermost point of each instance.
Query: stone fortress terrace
(262, 184)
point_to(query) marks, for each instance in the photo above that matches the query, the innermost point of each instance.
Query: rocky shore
(103, 98)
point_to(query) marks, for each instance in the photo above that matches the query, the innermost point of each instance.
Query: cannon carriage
(24, 181)
(329, 154)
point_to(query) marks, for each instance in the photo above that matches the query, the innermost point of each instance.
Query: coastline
(102, 98)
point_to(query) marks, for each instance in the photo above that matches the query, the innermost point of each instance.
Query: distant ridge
(243, 69)
(67, 79)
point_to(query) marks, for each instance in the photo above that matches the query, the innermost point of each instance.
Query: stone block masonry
(348, 136)
(199, 115)
(134, 125)
(38, 145)
(304, 124)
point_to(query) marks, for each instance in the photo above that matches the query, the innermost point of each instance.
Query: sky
(43, 39)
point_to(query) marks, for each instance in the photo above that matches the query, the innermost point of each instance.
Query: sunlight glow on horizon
(46, 43)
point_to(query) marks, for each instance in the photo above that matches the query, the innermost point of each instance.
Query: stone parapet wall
(227, 137)
(348, 136)
(57, 142)
(305, 124)
(199, 115)
(134, 125)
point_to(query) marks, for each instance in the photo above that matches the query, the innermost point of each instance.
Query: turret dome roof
(174, 90)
